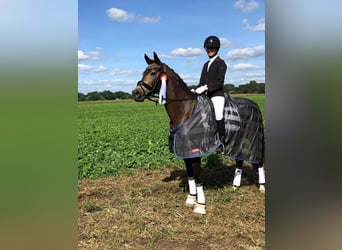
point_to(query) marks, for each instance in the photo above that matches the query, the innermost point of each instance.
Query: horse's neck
(181, 102)
(180, 112)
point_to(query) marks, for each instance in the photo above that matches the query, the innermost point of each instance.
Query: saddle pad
(198, 136)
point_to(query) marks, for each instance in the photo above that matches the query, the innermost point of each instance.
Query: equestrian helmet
(212, 42)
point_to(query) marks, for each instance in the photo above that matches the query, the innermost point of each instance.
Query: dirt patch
(148, 211)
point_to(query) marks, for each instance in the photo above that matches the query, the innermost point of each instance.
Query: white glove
(193, 91)
(201, 89)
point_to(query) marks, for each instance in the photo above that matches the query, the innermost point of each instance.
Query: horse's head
(150, 82)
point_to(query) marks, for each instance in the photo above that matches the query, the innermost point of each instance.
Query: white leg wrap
(261, 175)
(199, 209)
(192, 186)
(190, 200)
(237, 177)
(200, 194)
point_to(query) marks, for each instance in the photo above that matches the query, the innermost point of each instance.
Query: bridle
(154, 88)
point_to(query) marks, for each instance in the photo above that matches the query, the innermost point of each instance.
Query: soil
(147, 211)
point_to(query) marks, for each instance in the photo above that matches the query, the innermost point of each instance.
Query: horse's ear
(148, 60)
(156, 58)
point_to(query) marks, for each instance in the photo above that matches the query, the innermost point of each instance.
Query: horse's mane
(173, 74)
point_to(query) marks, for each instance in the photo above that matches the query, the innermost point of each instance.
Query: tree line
(250, 88)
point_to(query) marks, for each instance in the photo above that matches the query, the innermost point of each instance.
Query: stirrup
(190, 200)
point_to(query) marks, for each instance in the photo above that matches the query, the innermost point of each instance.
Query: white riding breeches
(218, 102)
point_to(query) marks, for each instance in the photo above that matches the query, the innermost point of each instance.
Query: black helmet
(212, 42)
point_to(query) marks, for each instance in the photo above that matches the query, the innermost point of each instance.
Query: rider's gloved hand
(193, 91)
(201, 89)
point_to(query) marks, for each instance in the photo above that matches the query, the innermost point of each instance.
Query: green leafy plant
(119, 137)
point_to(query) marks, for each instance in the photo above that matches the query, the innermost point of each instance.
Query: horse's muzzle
(138, 97)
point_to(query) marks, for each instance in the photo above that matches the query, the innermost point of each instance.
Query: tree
(261, 88)
(81, 97)
(251, 87)
(108, 95)
(227, 88)
(120, 95)
(94, 96)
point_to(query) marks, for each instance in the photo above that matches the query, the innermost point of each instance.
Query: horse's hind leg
(237, 174)
(261, 174)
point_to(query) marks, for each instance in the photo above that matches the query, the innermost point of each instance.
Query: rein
(180, 100)
(168, 101)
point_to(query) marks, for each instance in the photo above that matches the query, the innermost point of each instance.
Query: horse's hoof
(235, 188)
(199, 208)
(262, 188)
(190, 200)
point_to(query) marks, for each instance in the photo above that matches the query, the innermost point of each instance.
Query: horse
(181, 104)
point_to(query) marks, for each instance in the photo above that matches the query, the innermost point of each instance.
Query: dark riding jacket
(214, 78)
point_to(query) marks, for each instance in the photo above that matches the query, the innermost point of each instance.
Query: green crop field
(119, 137)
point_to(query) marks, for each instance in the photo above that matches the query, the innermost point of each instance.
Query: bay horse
(181, 104)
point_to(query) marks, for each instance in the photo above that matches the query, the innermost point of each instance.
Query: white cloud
(94, 55)
(259, 27)
(82, 56)
(246, 78)
(187, 52)
(119, 15)
(225, 43)
(246, 7)
(126, 72)
(84, 67)
(101, 85)
(244, 66)
(246, 53)
(89, 68)
(163, 56)
(123, 16)
(145, 19)
(100, 69)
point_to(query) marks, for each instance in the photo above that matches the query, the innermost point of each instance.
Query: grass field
(139, 203)
(119, 137)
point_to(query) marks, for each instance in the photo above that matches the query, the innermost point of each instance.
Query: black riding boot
(221, 130)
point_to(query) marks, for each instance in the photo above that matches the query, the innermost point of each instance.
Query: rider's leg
(218, 103)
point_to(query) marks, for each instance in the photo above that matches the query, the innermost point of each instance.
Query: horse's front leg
(192, 195)
(193, 167)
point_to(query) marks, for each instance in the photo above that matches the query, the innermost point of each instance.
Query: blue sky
(113, 37)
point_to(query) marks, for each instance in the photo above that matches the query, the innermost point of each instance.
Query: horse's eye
(153, 73)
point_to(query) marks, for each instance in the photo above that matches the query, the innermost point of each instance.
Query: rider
(212, 81)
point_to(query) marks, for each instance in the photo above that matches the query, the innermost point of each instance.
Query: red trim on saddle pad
(195, 150)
